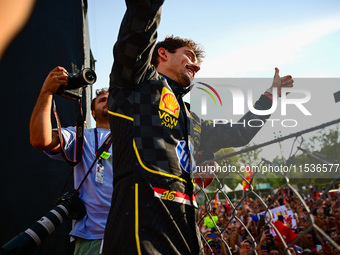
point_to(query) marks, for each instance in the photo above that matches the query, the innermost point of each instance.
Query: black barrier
(30, 181)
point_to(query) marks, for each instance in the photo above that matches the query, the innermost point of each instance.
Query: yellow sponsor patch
(167, 120)
(168, 103)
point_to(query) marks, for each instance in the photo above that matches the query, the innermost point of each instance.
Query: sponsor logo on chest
(169, 109)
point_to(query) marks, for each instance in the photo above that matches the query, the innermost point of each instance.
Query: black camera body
(76, 82)
(77, 209)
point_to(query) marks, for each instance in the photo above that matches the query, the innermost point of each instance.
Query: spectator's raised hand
(243, 248)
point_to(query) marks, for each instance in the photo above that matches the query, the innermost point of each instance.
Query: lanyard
(101, 153)
(96, 140)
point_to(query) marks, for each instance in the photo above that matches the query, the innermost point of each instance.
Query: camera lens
(89, 76)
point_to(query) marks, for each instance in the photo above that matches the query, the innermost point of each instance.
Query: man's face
(183, 65)
(309, 239)
(100, 111)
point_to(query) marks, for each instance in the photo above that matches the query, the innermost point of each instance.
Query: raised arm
(41, 135)
(137, 36)
(227, 135)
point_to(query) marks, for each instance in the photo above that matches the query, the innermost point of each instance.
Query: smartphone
(263, 247)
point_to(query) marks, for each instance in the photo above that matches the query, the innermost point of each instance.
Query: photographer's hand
(41, 135)
(57, 77)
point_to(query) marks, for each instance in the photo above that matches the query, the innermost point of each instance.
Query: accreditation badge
(100, 172)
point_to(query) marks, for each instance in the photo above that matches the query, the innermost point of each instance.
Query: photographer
(96, 191)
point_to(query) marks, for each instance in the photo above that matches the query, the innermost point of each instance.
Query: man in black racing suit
(155, 138)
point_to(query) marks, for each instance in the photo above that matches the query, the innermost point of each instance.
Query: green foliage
(325, 138)
(325, 144)
(230, 179)
(227, 161)
(250, 157)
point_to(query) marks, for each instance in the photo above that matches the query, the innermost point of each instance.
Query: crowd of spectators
(236, 228)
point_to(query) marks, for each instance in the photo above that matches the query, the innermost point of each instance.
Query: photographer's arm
(41, 135)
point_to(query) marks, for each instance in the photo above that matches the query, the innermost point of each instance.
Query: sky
(244, 39)
(241, 38)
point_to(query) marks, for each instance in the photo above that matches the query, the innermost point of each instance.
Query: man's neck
(177, 88)
(105, 125)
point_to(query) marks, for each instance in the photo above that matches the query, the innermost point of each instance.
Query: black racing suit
(154, 140)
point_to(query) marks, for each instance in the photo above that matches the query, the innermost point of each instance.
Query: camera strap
(102, 152)
(80, 125)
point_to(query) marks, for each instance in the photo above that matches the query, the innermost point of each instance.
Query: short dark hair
(274, 248)
(98, 92)
(172, 43)
(280, 218)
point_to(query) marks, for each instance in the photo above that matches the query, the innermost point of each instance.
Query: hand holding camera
(60, 82)
(56, 78)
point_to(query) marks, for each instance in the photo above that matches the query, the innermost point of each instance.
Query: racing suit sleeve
(217, 136)
(137, 36)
